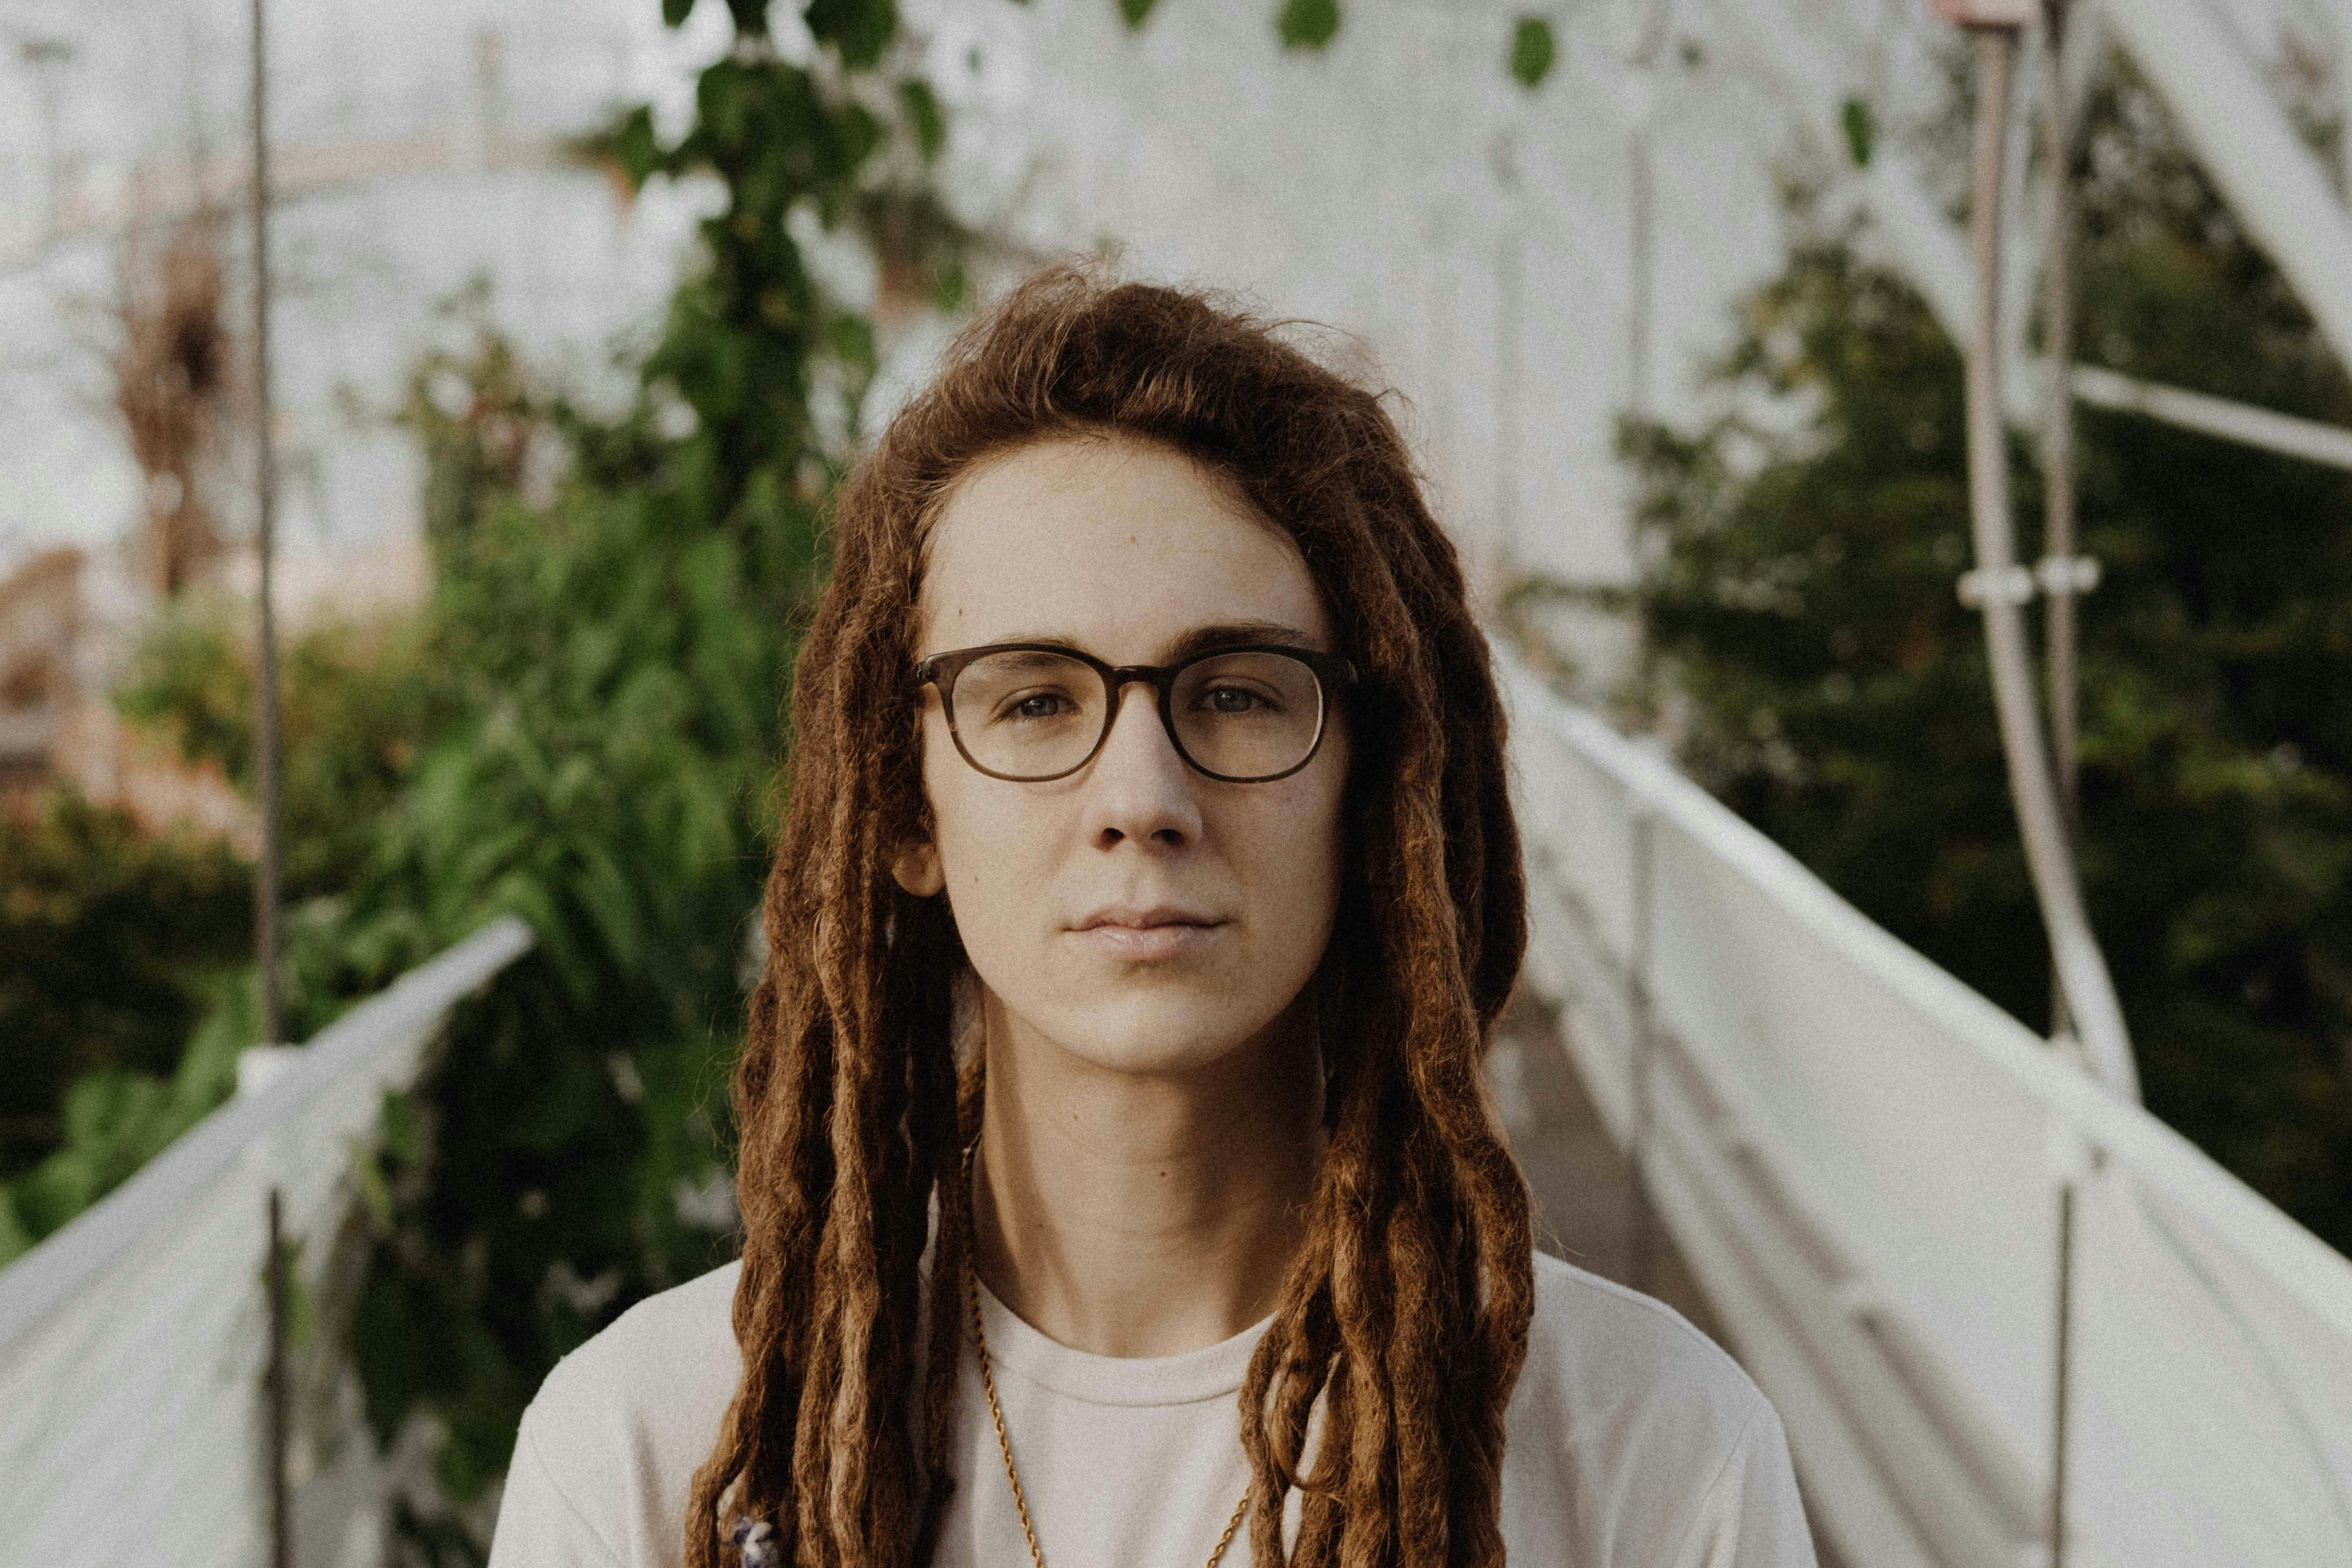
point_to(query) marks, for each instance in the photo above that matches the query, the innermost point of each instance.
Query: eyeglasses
(1034, 711)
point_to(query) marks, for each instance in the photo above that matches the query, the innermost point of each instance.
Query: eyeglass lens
(1031, 714)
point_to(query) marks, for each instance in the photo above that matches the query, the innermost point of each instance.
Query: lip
(1149, 931)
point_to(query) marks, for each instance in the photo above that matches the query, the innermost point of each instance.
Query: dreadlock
(1404, 1315)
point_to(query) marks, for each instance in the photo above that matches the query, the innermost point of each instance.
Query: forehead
(1119, 545)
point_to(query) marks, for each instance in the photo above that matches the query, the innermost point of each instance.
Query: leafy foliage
(1801, 611)
(118, 1119)
(614, 665)
(581, 727)
(351, 703)
(112, 945)
(1861, 129)
(1306, 23)
(1532, 51)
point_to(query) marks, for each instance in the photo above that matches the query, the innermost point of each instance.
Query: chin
(1153, 1036)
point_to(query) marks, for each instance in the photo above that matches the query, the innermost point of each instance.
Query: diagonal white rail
(1861, 1158)
(132, 1341)
(2274, 182)
(1817, 54)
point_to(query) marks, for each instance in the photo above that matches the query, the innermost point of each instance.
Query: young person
(1117, 1185)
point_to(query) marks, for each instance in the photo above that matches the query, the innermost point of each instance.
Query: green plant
(581, 727)
(1801, 614)
(612, 667)
(116, 1119)
(113, 944)
(354, 701)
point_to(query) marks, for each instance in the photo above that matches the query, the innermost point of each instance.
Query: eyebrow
(1200, 639)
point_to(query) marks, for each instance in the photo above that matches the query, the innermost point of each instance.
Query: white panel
(132, 1341)
(1862, 1160)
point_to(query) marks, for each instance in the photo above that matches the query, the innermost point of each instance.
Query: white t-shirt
(1631, 1441)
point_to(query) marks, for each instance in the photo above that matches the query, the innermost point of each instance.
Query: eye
(1035, 705)
(1233, 699)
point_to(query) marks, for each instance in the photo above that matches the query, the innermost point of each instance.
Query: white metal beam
(2273, 183)
(1929, 249)
(165, 192)
(2306, 438)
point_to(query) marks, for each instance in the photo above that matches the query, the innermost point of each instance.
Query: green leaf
(634, 148)
(860, 29)
(953, 285)
(861, 133)
(1532, 51)
(1861, 129)
(16, 1240)
(1133, 11)
(924, 117)
(375, 1192)
(1307, 24)
(675, 12)
(403, 1127)
(851, 338)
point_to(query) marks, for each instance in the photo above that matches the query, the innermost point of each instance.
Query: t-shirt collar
(1213, 1372)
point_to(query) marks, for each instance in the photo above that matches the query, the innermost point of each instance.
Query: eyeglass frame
(1333, 675)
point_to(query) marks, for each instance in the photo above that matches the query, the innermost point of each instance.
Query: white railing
(1862, 1159)
(132, 1341)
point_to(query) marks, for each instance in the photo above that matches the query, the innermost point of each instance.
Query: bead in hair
(756, 1539)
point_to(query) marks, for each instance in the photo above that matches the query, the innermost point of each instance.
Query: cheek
(1291, 852)
(982, 838)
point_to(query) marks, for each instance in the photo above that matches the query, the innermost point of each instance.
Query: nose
(1138, 787)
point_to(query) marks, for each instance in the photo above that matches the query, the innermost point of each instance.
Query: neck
(1132, 1215)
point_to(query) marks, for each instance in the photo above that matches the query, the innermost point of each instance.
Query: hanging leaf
(1307, 24)
(1860, 130)
(860, 29)
(924, 117)
(953, 288)
(1133, 11)
(629, 150)
(1532, 51)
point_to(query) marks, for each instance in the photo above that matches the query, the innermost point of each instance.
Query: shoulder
(608, 1447)
(666, 1351)
(1601, 1347)
(1633, 1433)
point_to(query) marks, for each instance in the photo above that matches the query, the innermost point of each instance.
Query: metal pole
(2000, 586)
(1642, 1224)
(265, 737)
(2058, 446)
(1639, 199)
(1510, 291)
(2058, 583)
(1640, 205)
(2058, 430)
(45, 55)
(1641, 244)
(281, 1519)
(2061, 1383)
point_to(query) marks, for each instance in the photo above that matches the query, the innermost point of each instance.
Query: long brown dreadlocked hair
(1406, 1313)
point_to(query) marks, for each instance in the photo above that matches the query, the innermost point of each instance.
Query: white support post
(2082, 970)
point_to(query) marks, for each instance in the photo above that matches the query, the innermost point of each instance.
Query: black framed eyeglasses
(1034, 712)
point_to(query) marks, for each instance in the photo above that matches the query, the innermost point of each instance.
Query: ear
(915, 868)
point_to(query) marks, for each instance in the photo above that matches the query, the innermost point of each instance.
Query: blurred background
(575, 313)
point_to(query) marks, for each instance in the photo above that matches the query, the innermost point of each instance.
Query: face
(1137, 913)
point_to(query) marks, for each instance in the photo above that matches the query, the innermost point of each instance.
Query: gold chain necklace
(996, 1413)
